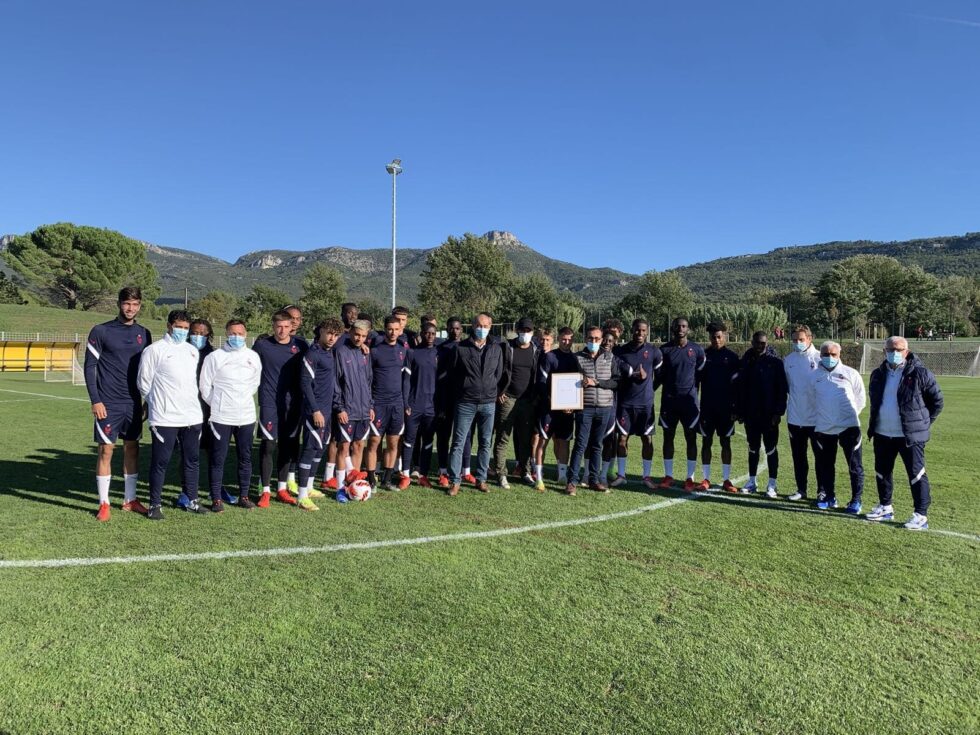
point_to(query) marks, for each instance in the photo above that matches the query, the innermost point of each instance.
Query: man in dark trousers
(516, 402)
(477, 368)
(718, 399)
(682, 362)
(419, 376)
(761, 405)
(905, 401)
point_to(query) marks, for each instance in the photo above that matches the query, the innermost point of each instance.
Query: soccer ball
(359, 490)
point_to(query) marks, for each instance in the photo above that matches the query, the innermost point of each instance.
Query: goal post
(61, 364)
(942, 358)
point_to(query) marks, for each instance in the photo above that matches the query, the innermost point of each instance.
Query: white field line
(43, 395)
(358, 546)
(21, 400)
(462, 536)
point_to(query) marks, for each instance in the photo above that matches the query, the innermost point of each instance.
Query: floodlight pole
(394, 168)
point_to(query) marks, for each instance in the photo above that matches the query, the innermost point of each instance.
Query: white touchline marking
(356, 546)
(44, 395)
(827, 514)
(21, 400)
(461, 536)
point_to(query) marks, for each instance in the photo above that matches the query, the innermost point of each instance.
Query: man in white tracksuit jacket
(839, 396)
(167, 380)
(801, 411)
(229, 378)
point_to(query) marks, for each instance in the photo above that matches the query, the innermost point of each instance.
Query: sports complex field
(511, 612)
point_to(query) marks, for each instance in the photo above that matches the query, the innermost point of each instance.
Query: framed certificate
(566, 392)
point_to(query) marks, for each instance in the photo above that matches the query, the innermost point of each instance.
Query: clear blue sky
(634, 135)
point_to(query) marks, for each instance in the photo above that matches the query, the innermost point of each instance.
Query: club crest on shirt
(294, 349)
(139, 339)
(690, 352)
(646, 354)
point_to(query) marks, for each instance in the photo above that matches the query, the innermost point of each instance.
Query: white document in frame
(567, 390)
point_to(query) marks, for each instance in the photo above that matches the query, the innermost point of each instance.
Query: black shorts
(312, 435)
(683, 409)
(122, 421)
(276, 420)
(389, 420)
(352, 431)
(559, 425)
(720, 424)
(635, 421)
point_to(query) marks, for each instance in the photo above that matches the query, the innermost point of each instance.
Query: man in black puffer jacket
(760, 404)
(905, 401)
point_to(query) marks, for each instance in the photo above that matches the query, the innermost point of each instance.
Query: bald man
(905, 401)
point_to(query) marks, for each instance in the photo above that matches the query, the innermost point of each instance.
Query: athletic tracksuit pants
(913, 456)
(758, 434)
(315, 443)
(801, 441)
(221, 436)
(850, 441)
(417, 441)
(165, 438)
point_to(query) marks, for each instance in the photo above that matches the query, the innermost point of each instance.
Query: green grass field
(704, 616)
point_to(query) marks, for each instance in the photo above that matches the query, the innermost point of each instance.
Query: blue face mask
(799, 346)
(829, 362)
(481, 332)
(236, 341)
(199, 340)
(179, 334)
(593, 347)
(894, 358)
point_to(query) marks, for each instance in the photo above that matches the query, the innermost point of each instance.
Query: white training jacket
(839, 396)
(799, 366)
(167, 380)
(229, 380)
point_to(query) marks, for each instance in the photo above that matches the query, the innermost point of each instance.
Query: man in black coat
(761, 403)
(905, 401)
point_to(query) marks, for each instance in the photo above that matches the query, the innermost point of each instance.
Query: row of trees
(82, 268)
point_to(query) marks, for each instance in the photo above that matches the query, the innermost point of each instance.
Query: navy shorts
(559, 425)
(312, 435)
(122, 420)
(276, 420)
(720, 424)
(683, 409)
(636, 421)
(352, 431)
(389, 420)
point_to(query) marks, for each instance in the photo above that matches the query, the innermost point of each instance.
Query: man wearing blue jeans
(477, 368)
(600, 379)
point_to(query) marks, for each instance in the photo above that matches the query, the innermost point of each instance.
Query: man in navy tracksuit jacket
(317, 380)
(353, 406)
(419, 378)
(761, 404)
(905, 401)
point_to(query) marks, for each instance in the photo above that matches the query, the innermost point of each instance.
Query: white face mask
(524, 337)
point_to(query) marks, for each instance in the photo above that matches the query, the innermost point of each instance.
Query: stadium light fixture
(394, 168)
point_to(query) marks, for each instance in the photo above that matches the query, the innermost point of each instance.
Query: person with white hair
(839, 396)
(905, 401)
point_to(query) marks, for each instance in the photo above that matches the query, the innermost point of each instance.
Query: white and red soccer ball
(359, 490)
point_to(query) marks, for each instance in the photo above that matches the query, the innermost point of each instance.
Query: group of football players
(371, 403)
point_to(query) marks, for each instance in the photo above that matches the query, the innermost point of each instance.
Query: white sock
(539, 472)
(706, 471)
(341, 476)
(692, 465)
(281, 486)
(290, 477)
(129, 487)
(265, 489)
(669, 467)
(102, 484)
(304, 491)
(348, 464)
(726, 472)
(406, 473)
(772, 483)
(752, 480)
(329, 472)
(466, 470)
(647, 467)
